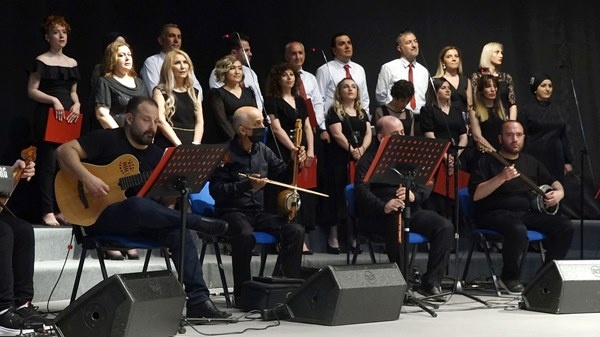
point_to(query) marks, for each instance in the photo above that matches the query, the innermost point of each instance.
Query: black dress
(218, 115)
(333, 210)
(55, 81)
(114, 95)
(183, 120)
(287, 116)
(459, 95)
(547, 138)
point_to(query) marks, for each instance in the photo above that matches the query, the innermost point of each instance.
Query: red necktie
(302, 90)
(413, 103)
(347, 67)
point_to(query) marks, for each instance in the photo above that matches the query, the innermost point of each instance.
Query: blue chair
(102, 243)
(203, 203)
(414, 238)
(486, 236)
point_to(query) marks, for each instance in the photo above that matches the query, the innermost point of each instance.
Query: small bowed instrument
(289, 200)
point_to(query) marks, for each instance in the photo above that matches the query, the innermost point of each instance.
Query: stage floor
(461, 316)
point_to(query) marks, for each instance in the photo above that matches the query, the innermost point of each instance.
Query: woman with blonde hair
(349, 127)
(490, 63)
(179, 107)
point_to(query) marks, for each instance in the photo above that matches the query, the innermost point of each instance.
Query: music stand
(180, 170)
(407, 160)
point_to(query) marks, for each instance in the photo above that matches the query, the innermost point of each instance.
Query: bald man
(239, 200)
(378, 207)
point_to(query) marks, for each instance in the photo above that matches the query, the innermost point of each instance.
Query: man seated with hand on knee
(239, 200)
(142, 216)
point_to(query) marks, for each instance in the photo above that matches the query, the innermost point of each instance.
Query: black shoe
(434, 293)
(208, 226)
(514, 287)
(31, 315)
(333, 250)
(13, 324)
(114, 255)
(206, 309)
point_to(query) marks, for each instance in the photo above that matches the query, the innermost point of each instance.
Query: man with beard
(502, 203)
(136, 215)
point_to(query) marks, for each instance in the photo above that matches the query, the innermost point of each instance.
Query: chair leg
(468, 261)
(412, 258)
(263, 260)
(165, 253)
(102, 264)
(488, 258)
(542, 252)
(203, 249)
(147, 260)
(523, 259)
(221, 272)
(371, 252)
(355, 252)
(78, 274)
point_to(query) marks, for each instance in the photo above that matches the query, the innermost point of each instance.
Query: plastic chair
(486, 236)
(203, 203)
(414, 238)
(102, 243)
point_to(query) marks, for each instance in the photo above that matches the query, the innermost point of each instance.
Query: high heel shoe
(333, 250)
(114, 255)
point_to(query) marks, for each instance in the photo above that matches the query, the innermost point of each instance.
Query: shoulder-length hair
(110, 58)
(223, 65)
(481, 110)
(338, 106)
(485, 61)
(440, 69)
(273, 81)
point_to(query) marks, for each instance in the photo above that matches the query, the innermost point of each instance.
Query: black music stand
(181, 170)
(407, 160)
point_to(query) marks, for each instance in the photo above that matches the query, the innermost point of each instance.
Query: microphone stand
(406, 216)
(584, 153)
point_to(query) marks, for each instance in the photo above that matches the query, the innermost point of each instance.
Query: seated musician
(378, 207)
(239, 200)
(142, 216)
(502, 203)
(17, 242)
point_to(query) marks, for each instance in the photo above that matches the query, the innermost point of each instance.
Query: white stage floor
(459, 317)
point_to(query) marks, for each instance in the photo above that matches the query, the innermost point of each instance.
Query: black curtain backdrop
(556, 37)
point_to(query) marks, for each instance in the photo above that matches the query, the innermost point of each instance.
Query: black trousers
(46, 171)
(147, 218)
(513, 227)
(17, 251)
(241, 227)
(437, 229)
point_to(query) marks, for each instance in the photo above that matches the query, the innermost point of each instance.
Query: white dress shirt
(314, 93)
(150, 74)
(396, 70)
(331, 73)
(250, 81)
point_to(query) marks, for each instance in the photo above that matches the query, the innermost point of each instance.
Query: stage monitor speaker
(126, 305)
(339, 295)
(565, 287)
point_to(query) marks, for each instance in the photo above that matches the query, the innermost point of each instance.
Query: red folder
(307, 177)
(62, 132)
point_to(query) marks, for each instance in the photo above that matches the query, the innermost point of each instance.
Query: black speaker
(126, 305)
(339, 295)
(565, 287)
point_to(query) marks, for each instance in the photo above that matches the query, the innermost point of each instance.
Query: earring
(443, 66)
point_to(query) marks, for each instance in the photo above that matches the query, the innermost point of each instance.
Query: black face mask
(257, 134)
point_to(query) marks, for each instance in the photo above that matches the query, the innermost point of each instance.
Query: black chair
(487, 236)
(372, 239)
(103, 243)
(203, 203)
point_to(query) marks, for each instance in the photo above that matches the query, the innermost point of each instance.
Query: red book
(307, 177)
(61, 131)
